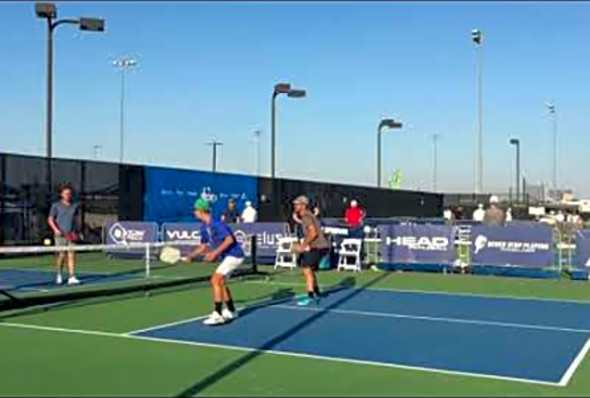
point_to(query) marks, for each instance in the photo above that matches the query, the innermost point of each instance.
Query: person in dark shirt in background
(230, 214)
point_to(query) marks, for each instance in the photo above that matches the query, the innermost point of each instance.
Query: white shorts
(229, 265)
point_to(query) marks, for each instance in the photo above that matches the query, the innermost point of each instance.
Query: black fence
(110, 191)
(26, 195)
(332, 199)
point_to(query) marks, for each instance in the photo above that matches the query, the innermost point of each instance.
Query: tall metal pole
(122, 118)
(379, 156)
(214, 144)
(517, 170)
(272, 135)
(435, 161)
(479, 165)
(49, 117)
(555, 154)
(257, 138)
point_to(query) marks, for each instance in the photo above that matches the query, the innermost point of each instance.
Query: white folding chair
(286, 257)
(349, 255)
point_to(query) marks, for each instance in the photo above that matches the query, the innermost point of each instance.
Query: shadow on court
(225, 371)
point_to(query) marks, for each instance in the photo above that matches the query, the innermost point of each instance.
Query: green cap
(201, 205)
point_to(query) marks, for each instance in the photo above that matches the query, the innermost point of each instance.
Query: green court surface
(82, 348)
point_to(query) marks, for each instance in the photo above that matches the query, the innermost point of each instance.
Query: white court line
(435, 292)
(166, 325)
(283, 353)
(436, 319)
(574, 365)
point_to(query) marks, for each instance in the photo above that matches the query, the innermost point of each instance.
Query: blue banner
(171, 193)
(416, 243)
(520, 244)
(125, 232)
(583, 249)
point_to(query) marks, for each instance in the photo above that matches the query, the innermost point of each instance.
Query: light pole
(256, 136)
(280, 88)
(435, 138)
(48, 11)
(97, 149)
(516, 143)
(391, 124)
(477, 38)
(123, 64)
(214, 144)
(553, 115)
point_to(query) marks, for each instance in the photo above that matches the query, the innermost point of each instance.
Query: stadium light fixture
(516, 143)
(279, 88)
(384, 123)
(48, 11)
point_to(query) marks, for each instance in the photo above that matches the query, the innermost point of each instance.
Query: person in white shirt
(249, 214)
(509, 215)
(479, 213)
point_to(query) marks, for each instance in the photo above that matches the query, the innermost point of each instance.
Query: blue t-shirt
(215, 233)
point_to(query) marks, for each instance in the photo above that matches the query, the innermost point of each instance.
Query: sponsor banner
(178, 231)
(416, 243)
(520, 244)
(583, 249)
(170, 194)
(125, 232)
(267, 235)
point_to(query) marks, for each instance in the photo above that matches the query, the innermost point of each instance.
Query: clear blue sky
(207, 70)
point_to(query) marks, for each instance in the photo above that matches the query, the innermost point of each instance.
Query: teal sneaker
(304, 301)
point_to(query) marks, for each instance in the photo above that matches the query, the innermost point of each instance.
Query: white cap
(354, 203)
(480, 206)
(494, 199)
(248, 203)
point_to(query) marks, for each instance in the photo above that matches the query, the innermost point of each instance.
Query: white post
(147, 260)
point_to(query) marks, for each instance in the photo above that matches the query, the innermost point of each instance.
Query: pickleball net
(28, 274)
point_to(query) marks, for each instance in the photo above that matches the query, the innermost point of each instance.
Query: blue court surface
(30, 280)
(528, 340)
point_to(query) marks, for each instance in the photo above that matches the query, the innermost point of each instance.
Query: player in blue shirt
(217, 242)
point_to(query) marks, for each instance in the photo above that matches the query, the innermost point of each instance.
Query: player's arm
(196, 253)
(51, 221)
(227, 242)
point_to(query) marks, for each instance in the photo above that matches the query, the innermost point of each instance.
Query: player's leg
(60, 258)
(71, 257)
(309, 263)
(225, 269)
(221, 293)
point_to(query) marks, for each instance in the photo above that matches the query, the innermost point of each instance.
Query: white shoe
(214, 319)
(228, 315)
(72, 280)
(58, 279)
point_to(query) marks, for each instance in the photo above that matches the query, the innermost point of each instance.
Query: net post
(147, 260)
(254, 252)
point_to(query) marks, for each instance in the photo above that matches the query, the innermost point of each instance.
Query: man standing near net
(63, 221)
(311, 250)
(217, 242)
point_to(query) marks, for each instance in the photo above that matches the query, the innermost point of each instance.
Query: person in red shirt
(354, 215)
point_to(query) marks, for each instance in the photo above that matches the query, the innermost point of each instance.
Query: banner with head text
(416, 243)
(519, 244)
(170, 193)
(267, 237)
(180, 231)
(583, 249)
(125, 232)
